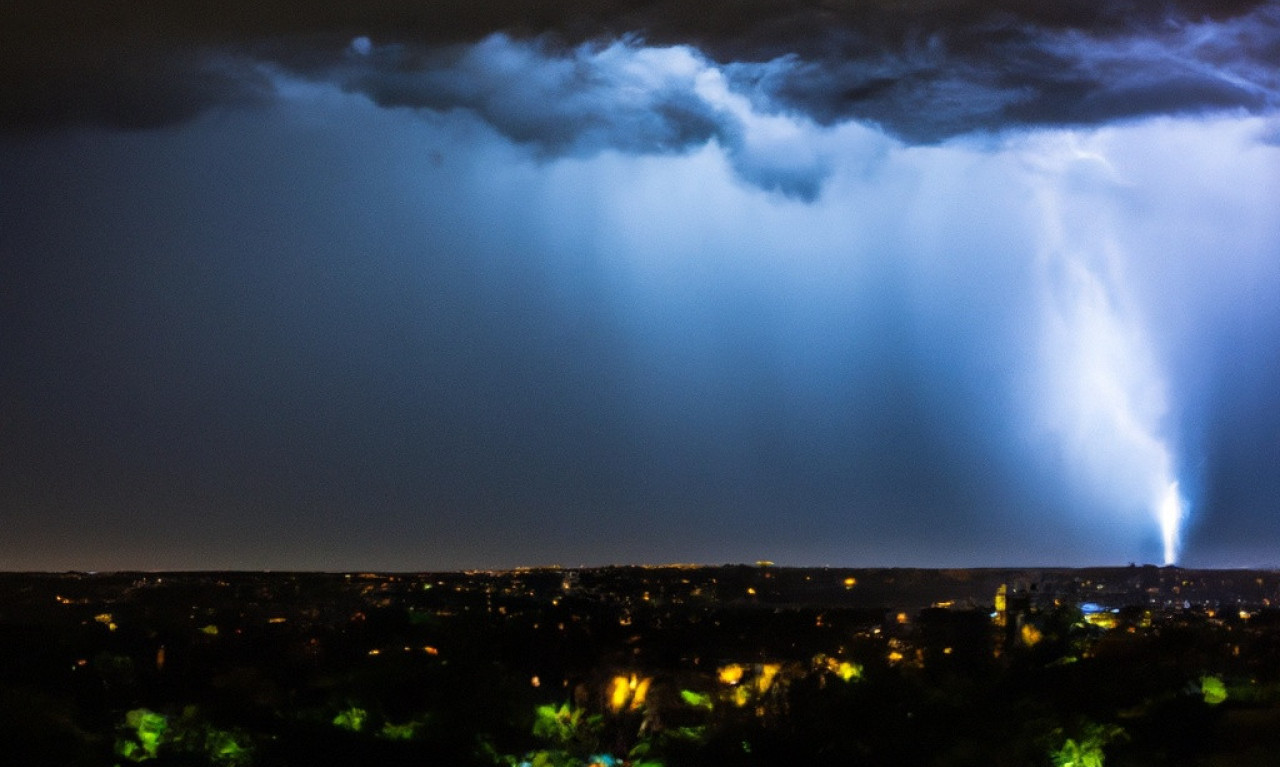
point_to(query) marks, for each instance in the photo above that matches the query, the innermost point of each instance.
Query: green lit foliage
(352, 718)
(574, 738)
(844, 670)
(1213, 689)
(566, 725)
(538, 758)
(572, 734)
(549, 758)
(224, 748)
(147, 729)
(1087, 751)
(696, 699)
(150, 734)
(641, 755)
(1073, 754)
(358, 719)
(398, 731)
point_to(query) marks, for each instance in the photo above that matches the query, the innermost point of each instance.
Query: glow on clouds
(1099, 387)
(623, 96)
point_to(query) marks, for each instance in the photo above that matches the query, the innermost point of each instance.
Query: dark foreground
(643, 666)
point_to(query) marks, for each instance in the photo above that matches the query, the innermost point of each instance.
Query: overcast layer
(417, 286)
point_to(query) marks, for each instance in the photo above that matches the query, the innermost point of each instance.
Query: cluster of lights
(428, 649)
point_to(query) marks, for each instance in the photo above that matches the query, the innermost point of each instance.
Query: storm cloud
(922, 71)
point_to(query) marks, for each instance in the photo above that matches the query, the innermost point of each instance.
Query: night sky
(404, 285)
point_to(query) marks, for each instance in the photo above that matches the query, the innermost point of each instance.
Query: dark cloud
(138, 91)
(924, 71)
(952, 82)
(622, 96)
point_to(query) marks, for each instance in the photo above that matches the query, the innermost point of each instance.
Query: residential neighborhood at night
(668, 665)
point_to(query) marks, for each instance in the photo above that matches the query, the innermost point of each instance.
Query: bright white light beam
(1105, 393)
(1172, 511)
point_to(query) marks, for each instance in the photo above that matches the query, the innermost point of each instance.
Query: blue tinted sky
(821, 285)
